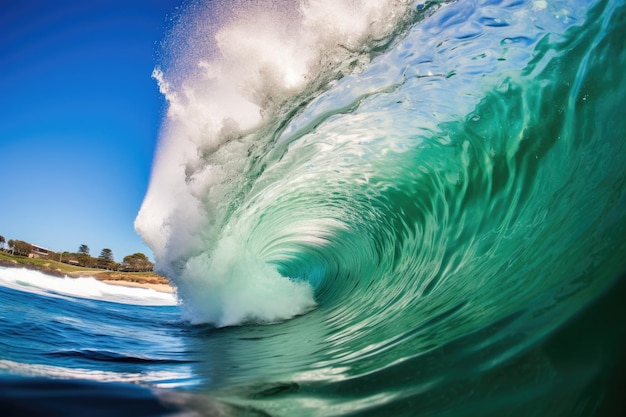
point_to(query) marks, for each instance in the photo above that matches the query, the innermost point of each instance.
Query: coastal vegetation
(137, 262)
(135, 268)
(56, 268)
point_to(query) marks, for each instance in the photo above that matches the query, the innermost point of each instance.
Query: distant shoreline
(129, 279)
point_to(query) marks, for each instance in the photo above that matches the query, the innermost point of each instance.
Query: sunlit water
(395, 209)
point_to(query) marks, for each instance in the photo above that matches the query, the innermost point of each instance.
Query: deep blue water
(73, 356)
(367, 208)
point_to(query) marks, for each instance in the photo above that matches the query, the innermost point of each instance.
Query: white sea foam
(227, 287)
(231, 64)
(34, 281)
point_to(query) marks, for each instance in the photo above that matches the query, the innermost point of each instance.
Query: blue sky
(79, 119)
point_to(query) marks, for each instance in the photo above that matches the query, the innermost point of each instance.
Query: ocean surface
(368, 208)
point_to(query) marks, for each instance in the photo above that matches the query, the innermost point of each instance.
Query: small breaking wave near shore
(85, 288)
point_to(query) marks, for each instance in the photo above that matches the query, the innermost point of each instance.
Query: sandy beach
(139, 280)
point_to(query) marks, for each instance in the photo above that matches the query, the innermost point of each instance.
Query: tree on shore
(137, 262)
(84, 259)
(2, 241)
(22, 248)
(12, 245)
(83, 249)
(105, 260)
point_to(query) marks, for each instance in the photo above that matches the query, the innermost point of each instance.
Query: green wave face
(433, 215)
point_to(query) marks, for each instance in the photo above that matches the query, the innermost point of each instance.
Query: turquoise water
(406, 209)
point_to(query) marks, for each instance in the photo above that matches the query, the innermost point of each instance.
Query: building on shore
(39, 252)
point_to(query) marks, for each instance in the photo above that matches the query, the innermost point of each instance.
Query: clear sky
(79, 119)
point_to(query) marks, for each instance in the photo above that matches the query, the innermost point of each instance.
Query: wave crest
(233, 66)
